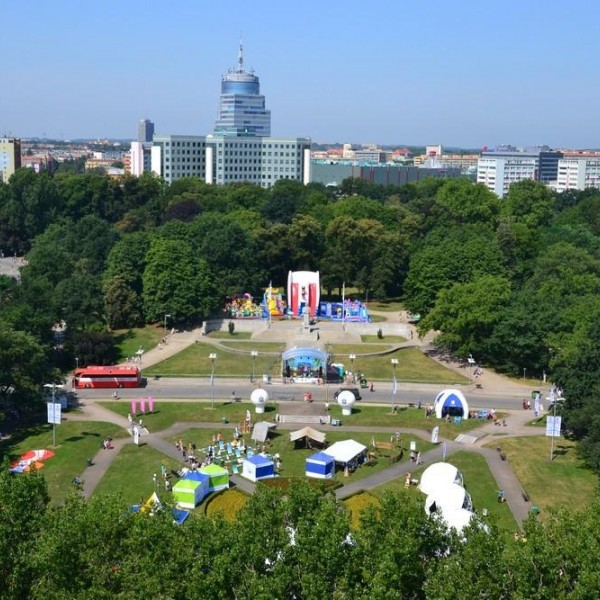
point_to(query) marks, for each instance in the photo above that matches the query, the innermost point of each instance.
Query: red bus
(107, 377)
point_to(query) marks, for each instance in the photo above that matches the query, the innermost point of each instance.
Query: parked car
(354, 390)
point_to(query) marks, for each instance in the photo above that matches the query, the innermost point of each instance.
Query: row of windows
(185, 144)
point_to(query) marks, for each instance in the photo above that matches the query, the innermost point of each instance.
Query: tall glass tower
(242, 110)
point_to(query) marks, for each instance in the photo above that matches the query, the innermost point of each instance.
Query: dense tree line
(514, 281)
(292, 545)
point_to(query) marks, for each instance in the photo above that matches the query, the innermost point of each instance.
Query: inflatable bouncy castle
(349, 311)
(273, 303)
(304, 290)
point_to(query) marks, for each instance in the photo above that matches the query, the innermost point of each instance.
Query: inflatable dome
(451, 402)
(346, 399)
(259, 398)
(457, 519)
(448, 497)
(437, 476)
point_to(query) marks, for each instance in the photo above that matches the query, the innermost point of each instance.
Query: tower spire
(241, 57)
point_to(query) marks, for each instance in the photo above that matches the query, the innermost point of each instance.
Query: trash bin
(224, 420)
(266, 378)
(535, 510)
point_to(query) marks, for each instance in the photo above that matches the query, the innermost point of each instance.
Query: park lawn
(412, 366)
(406, 418)
(193, 361)
(131, 473)
(129, 341)
(76, 442)
(563, 481)
(339, 351)
(268, 347)
(386, 339)
(225, 335)
(392, 306)
(293, 459)
(167, 414)
(479, 482)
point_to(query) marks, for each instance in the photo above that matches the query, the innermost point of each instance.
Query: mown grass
(386, 339)
(131, 474)
(129, 341)
(563, 481)
(225, 335)
(76, 442)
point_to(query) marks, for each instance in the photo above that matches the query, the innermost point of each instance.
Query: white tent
(457, 519)
(451, 402)
(308, 432)
(438, 475)
(448, 497)
(344, 452)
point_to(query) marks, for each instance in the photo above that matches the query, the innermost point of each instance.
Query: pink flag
(142, 404)
(133, 406)
(151, 403)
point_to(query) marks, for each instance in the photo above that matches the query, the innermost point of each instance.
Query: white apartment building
(499, 173)
(578, 173)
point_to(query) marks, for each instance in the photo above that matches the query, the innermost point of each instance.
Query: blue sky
(463, 73)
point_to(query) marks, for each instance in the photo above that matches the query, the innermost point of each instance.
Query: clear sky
(465, 73)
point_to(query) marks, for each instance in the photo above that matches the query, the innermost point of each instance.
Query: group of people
(106, 443)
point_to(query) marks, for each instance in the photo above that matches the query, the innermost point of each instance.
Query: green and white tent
(218, 477)
(190, 491)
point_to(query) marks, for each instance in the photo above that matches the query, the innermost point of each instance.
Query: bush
(231, 327)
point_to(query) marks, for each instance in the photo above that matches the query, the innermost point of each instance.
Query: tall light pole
(394, 362)
(352, 357)
(165, 327)
(212, 357)
(254, 354)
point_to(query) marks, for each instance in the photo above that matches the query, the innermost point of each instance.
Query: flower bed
(228, 503)
(359, 502)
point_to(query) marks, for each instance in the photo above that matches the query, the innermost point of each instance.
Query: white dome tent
(259, 398)
(457, 519)
(437, 475)
(346, 399)
(451, 402)
(448, 497)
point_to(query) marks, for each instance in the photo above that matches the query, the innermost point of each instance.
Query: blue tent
(179, 516)
(258, 467)
(320, 466)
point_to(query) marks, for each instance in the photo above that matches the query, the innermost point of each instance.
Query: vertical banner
(151, 404)
(142, 404)
(136, 435)
(434, 434)
(444, 451)
(133, 406)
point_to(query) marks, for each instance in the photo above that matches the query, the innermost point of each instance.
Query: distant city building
(578, 173)
(242, 109)
(145, 131)
(10, 157)
(240, 148)
(138, 160)
(433, 151)
(500, 168)
(40, 162)
(332, 174)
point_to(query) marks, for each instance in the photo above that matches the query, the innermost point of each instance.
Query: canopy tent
(179, 516)
(438, 475)
(191, 490)
(345, 451)
(258, 467)
(310, 434)
(448, 497)
(260, 432)
(320, 466)
(218, 477)
(452, 403)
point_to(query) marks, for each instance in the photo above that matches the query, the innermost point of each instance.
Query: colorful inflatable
(273, 303)
(304, 290)
(241, 306)
(349, 311)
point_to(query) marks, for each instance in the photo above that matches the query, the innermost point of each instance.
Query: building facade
(500, 168)
(10, 157)
(139, 159)
(242, 109)
(578, 173)
(145, 131)
(177, 156)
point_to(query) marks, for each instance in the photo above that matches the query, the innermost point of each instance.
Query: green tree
(122, 305)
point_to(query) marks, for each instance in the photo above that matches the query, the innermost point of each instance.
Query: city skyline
(462, 76)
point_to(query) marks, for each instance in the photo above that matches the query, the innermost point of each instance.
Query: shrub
(231, 327)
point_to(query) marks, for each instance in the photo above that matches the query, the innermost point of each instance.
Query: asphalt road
(200, 389)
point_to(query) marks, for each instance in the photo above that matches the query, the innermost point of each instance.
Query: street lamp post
(212, 357)
(394, 362)
(352, 357)
(254, 354)
(165, 327)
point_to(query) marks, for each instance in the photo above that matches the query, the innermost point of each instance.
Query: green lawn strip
(378, 318)
(271, 347)
(168, 413)
(225, 335)
(563, 481)
(194, 361)
(392, 306)
(76, 442)
(293, 460)
(479, 482)
(386, 339)
(131, 473)
(129, 341)
(340, 351)
(412, 366)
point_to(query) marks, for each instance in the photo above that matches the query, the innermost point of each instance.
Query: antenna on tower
(241, 57)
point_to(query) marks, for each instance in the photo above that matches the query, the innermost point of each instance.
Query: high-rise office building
(10, 157)
(242, 109)
(145, 130)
